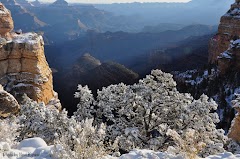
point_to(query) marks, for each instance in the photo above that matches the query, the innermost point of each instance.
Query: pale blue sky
(117, 1)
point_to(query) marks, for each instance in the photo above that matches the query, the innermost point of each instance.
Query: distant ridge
(60, 3)
(23, 19)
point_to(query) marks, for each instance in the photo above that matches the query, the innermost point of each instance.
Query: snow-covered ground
(36, 148)
(33, 148)
(148, 154)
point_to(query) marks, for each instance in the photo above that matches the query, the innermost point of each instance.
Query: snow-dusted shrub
(36, 120)
(87, 142)
(233, 146)
(8, 130)
(139, 116)
(73, 139)
(189, 144)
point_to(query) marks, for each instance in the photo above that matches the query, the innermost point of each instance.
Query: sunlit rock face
(23, 66)
(6, 22)
(234, 131)
(229, 29)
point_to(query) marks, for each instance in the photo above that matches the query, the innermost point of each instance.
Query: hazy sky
(117, 1)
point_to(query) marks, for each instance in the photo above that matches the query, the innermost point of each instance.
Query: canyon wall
(224, 51)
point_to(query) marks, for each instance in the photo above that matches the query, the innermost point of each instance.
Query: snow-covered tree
(139, 116)
(85, 106)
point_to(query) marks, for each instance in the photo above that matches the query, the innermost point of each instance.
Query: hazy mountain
(195, 11)
(24, 3)
(61, 22)
(191, 53)
(23, 19)
(125, 48)
(36, 3)
(85, 64)
(162, 27)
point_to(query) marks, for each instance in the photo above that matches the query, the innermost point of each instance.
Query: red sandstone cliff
(229, 29)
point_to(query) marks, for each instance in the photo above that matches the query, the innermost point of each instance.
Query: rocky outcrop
(229, 29)
(229, 59)
(8, 104)
(24, 69)
(6, 22)
(234, 132)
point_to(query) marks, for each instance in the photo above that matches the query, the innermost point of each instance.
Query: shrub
(73, 139)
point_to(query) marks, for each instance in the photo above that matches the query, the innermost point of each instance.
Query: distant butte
(60, 3)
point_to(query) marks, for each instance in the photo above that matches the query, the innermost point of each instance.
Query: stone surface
(229, 59)
(235, 129)
(8, 104)
(6, 22)
(229, 29)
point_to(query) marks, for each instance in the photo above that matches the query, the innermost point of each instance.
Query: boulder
(234, 131)
(8, 104)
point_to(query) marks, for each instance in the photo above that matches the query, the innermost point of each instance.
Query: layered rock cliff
(229, 29)
(23, 66)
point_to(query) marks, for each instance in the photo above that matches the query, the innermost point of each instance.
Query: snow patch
(33, 148)
(226, 55)
(4, 11)
(29, 38)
